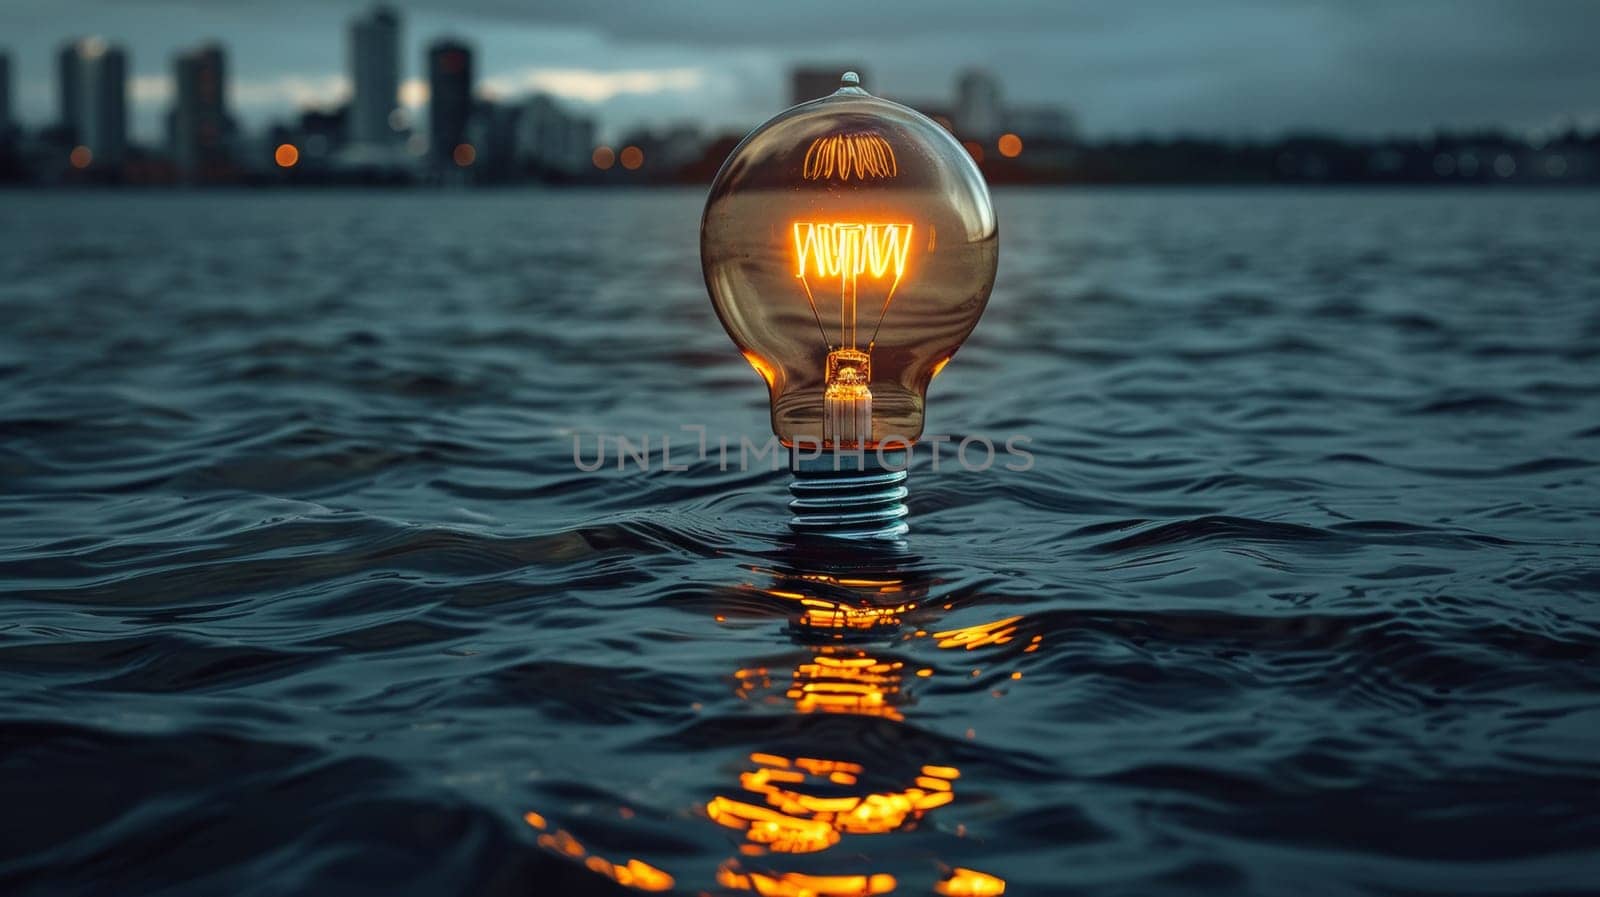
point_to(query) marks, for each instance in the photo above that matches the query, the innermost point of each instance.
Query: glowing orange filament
(850, 250)
(849, 155)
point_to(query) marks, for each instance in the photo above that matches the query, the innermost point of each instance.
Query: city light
(604, 158)
(1010, 146)
(287, 155)
(974, 150)
(80, 157)
(464, 154)
(632, 157)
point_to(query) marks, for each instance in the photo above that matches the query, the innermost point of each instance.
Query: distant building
(5, 99)
(811, 82)
(552, 140)
(678, 146)
(491, 134)
(103, 102)
(69, 90)
(375, 73)
(201, 128)
(449, 99)
(979, 111)
(321, 132)
(1046, 124)
(663, 155)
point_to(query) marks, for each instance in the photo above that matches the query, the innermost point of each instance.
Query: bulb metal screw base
(849, 495)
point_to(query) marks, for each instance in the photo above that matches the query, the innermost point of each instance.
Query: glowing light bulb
(849, 246)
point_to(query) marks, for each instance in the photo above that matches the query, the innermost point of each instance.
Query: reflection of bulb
(849, 246)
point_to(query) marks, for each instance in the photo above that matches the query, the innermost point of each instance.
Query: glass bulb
(849, 246)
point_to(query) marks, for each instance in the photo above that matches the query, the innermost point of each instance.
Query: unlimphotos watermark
(673, 453)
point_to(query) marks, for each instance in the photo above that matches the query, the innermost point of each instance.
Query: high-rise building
(201, 128)
(103, 101)
(449, 99)
(5, 99)
(69, 89)
(812, 82)
(979, 113)
(492, 134)
(551, 140)
(375, 73)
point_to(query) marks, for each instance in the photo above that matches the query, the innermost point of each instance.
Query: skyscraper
(5, 99)
(978, 114)
(449, 98)
(69, 89)
(200, 124)
(375, 72)
(103, 101)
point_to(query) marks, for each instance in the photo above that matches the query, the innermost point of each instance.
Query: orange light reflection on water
(806, 805)
(997, 633)
(795, 884)
(635, 874)
(823, 614)
(806, 812)
(970, 883)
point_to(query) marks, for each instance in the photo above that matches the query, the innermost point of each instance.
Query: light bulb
(849, 246)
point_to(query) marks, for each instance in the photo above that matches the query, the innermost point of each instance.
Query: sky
(1227, 68)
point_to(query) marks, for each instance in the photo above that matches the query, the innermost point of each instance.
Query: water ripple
(304, 592)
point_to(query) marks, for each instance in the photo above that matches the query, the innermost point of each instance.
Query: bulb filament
(850, 251)
(843, 156)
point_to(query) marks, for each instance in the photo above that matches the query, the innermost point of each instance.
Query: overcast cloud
(1224, 67)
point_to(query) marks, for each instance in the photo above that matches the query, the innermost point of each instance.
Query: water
(303, 592)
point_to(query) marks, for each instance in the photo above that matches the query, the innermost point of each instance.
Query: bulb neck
(849, 494)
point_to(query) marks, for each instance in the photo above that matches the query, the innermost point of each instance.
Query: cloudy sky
(1223, 67)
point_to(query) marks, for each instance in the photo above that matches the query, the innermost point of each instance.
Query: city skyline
(1310, 66)
(454, 124)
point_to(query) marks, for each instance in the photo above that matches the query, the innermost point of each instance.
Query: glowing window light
(632, 158)
(80, 157)
(1010, 146)
(287, 155)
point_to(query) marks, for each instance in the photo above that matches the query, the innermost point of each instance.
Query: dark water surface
(304, 594)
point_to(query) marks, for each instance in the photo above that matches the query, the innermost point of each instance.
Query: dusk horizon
(1121, 73)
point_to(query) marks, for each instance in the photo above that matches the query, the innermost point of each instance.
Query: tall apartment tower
(375, 74)
(103, 101)
(200, 123)
(449, 98)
